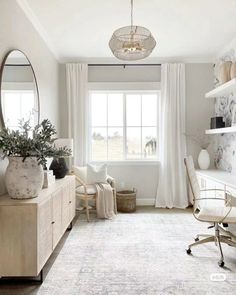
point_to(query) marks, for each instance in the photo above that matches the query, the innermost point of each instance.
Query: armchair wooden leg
(115, 203)
(87, 209)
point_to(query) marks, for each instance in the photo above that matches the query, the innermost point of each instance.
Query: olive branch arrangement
(31, 142)
(202, 140)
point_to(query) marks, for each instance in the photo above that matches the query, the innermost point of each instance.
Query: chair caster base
(188, 251)
(221, 263)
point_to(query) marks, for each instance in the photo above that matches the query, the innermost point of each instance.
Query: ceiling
(183, 29)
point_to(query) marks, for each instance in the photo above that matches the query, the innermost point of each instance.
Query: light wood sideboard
(30, 229)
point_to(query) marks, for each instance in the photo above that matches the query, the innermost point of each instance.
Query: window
(123, 125)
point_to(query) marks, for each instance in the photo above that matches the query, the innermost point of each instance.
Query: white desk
(219, 176)
(217, 179)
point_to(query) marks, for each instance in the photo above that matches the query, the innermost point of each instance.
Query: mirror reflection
(19, 92)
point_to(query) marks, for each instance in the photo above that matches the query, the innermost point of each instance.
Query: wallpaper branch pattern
(225, 144)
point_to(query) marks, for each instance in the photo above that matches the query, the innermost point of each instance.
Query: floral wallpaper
(225, 144)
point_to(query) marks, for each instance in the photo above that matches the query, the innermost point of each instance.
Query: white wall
(199, 79)
(199, 110)
(16, 32)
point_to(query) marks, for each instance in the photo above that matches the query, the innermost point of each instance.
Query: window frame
(124, 88)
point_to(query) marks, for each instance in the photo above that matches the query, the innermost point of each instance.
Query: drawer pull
(70, 202)
(53, 222)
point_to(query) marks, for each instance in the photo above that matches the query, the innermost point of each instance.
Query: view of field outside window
(124, 126)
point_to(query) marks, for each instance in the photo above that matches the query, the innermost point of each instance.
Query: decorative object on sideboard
(58, 164)
(27, 149)
(48, 179)
(217, 122)
(24, 177)
(233, 70)
(132, 42)
(203, 141)
(224, 72)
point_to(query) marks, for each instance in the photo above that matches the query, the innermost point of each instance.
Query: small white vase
(204, 159)
(24, 179)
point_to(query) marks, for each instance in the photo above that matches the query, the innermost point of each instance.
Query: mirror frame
(1, 77)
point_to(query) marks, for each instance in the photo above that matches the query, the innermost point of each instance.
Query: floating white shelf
(223, 89)
(221, 130)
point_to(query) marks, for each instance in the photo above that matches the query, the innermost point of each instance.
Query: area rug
(142, 253)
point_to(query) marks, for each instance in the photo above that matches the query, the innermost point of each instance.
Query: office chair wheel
(221, 263)
(196, 239)
(188, 251)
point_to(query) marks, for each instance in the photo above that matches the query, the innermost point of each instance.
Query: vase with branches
(27, 150)
(203, 141)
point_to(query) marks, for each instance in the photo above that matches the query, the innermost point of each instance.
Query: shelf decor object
(233, 70)
(224, 72)
(132, 42)
(222, 90)
(217, 122)
(204, 159)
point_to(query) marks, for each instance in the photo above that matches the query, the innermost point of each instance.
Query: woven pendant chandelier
(132, 42)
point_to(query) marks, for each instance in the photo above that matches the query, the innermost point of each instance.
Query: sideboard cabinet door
(65, 206)
(44, 232)
(72, 199)
(57, 218)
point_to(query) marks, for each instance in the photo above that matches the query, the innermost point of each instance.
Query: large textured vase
(204, 159)
(24, 179)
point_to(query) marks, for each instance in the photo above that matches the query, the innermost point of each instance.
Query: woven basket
(126, 201)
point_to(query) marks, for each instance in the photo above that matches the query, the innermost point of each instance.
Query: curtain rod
(17, 65)
(124, 65)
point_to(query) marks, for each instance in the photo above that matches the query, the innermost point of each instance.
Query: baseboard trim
(145, 202)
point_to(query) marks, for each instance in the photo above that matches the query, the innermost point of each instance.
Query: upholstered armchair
(86, 193)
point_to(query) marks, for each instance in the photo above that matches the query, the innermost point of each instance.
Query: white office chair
(216, 210)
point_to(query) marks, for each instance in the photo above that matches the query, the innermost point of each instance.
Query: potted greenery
(27, 150)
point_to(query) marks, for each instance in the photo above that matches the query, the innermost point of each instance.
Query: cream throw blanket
(104, 201)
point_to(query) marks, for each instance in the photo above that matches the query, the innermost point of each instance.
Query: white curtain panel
(77, 102)
(171, 191)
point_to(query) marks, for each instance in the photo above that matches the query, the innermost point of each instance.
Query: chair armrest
(212, 189)
(78, 179)
(227, 200)
(82, 183)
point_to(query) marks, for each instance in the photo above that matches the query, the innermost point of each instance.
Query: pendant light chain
(132, 22)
